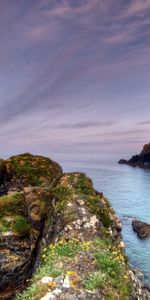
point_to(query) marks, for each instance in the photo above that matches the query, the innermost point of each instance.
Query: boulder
(142, 229)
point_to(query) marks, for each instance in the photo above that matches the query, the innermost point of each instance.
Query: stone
(142, 229)
(57, 292)
(46, 279)
(48, 296)
(66, 283)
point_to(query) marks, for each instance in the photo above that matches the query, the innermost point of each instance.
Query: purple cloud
(73, 72)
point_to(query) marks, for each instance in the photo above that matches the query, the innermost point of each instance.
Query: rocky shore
(142, 160)
(60, 238)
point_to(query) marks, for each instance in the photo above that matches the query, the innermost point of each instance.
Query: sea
(128, 190)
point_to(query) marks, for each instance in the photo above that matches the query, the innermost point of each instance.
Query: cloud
(137, 7)
(144, 123)
(86, 124)
(74, 71)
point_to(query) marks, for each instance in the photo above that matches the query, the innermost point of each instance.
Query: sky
(74, 77)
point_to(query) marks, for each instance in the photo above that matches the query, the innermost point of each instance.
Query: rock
(142, 160)
(48, 296)
(140, 290)
(46, 279)
(123, 161)
(142, 229)
(24, 204)
(60, 224)
(122, 245)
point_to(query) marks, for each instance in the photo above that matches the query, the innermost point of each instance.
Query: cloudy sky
(74, 76)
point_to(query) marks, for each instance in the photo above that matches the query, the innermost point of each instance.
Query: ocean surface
(128, 190)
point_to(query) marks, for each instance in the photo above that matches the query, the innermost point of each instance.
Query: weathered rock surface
(83, 256)
(142, 160)
(58, 226)
(24, 204)
(142, 229)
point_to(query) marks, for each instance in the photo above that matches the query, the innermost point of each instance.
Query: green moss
(5, 225)
(11, 204)
(12, 209)
(17, 224)
(21, 226)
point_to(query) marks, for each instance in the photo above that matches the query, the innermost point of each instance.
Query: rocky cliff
(25, 189)
(142, 160)
(58, 229)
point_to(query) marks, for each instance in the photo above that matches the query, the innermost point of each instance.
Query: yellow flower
(70, 273)
(52, 284)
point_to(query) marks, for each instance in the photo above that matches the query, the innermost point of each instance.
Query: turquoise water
(128, 190)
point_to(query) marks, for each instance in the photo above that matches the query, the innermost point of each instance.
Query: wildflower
(52, 284)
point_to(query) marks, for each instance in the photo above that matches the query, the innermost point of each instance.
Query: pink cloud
(41, 32)
(118, 38)
(64, 9)
(137, 7)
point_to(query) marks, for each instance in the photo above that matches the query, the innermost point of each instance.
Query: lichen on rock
(59, 229)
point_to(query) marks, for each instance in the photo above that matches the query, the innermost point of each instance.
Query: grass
(100, 207)
(29, 293)
(52, 255)
(84, 185)
(111, 275)
(96, 280)
(110, 270)
(98, 204)
(62, 195)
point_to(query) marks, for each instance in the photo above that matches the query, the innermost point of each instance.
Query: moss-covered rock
(25, 201)
(27, 169)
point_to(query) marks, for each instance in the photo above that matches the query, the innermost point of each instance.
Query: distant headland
(141, 160)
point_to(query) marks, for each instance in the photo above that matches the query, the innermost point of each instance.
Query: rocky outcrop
(142, 229)
(24, 204)
(59, 238)
(142, 160)
(83, 254)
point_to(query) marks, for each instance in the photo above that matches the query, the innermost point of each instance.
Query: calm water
(128, 190)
